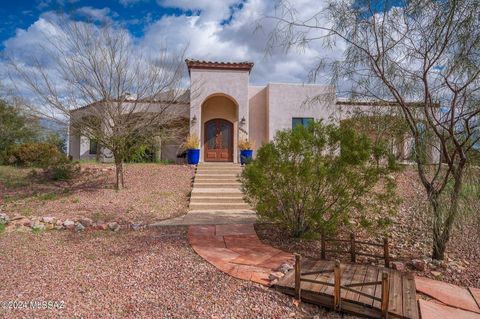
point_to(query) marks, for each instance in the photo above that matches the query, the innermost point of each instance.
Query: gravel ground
(409, 236)
(151, 273)
(153, 192)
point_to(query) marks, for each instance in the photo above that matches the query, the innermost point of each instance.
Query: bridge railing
(338, 286)
(355, 248)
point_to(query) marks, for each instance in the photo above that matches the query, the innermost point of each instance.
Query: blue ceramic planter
(246, 156)
(193, 156)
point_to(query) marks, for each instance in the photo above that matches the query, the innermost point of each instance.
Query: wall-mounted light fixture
(194, 120)
(243, 121)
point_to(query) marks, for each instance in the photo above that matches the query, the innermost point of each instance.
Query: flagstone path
(449, 301)
(236, 250)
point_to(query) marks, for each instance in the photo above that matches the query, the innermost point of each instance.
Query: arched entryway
(218, 143)
(219, 129)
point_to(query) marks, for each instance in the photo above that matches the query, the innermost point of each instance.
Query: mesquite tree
(426, 51)
(97, 79)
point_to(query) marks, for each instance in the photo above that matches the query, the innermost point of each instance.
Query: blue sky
(224, 30)
(21, 14)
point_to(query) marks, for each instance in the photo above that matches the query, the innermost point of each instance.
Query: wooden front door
(218, 141)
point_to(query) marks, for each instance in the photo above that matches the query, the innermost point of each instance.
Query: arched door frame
(218, 157)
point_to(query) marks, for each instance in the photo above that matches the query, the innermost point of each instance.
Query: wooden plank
(358, 277)
(319, 265)
(395, 304)
(347, 277)
(378, 288)
(330, 279)
(319, 288)
(372, 275)
(410, 308)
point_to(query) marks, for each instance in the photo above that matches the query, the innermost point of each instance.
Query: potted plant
(193, 152)
(246, 151)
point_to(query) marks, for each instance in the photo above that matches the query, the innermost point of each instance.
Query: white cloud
(127, 3)
(94, 14)
(218, 30)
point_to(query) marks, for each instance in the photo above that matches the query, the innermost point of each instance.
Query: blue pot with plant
(246, 151)
(193, 152)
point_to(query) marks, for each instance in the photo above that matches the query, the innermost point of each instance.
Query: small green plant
(2, 228)
(47, 196)
(246, 144)
(76, 200)
(191, 142)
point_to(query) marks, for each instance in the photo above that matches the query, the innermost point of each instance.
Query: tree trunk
(442, 227)
(119, 182)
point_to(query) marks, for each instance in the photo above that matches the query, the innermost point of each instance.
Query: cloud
(94, 14)
(128, 3)
(224, 30)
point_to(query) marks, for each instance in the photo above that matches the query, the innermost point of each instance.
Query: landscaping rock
(79, 227)
(86, 222)
(436, 274)
(136, 226)
(69, 224)
(4, 219)
(114, 226)
(49, 220)
(38, 226)
(276, 275)
(284, 268)
(398, 265)
(101, 227)
(418, 264)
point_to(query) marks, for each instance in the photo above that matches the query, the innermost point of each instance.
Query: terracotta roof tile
(219, 65)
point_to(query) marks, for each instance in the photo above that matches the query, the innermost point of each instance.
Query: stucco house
(222, 108)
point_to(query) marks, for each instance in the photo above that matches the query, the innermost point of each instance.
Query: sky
(220, 30)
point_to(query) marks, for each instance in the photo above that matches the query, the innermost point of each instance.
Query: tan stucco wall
(230, 83)
(286, 101)
(258, 129)
(219, 107)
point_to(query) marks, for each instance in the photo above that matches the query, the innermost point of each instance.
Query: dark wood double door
(218, 141)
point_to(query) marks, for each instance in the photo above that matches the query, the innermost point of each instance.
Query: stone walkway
(236, 250)
(449, 301)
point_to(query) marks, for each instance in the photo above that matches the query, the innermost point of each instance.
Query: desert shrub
(309, 179)
(141, 154)
(62, 170)
(34, 155)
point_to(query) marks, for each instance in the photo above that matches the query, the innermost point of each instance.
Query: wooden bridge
(359, 289)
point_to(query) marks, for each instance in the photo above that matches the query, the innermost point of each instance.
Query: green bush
(63, 170)
(34, 155)
(309, 179)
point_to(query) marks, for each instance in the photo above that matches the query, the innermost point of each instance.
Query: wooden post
(298, 269)
(385, 295)
(386, 254)
(353, 256)
(337, 282)
(322, 249)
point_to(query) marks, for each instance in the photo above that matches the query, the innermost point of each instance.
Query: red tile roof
(200, 64)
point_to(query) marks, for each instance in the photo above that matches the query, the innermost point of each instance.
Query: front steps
(216, 187)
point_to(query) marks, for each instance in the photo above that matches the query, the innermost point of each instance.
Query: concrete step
(216, 185)
(216, 170)
(216, 199)
(217, 178)
(220, 206)
(217, 181)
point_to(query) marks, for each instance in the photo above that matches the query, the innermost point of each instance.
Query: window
(305, 121)
(93, 147)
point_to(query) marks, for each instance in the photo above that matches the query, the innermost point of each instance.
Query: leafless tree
(96, 78)
(418, 50)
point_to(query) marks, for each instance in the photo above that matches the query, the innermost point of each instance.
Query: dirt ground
(153, 192)
(151, 273)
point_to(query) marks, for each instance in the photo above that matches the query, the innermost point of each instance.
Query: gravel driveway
(151, 273)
